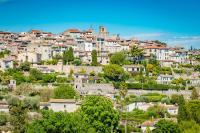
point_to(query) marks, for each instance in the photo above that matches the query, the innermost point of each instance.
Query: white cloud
(188, 38)
(171, 39)
(149, 35)
(145, 36)
(185, 41)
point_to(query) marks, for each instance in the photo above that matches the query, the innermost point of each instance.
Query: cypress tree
(94, 58)
(182, 112)
(195, 94)
(71, 54)
(68, 56)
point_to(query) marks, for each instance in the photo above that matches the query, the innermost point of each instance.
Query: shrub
(25, 66)
(3, 119)
(153, 86)
(62, 80)
(49, 78)
(153, 97)
(45, 94)
(64, 92)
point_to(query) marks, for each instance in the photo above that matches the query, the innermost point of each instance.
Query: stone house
(68, 105)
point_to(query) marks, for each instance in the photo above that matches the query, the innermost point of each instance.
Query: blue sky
(173, 21)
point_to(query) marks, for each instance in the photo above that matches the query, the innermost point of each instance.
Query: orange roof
(73, 31)
(155, 47)
(2, 32)
(111, 40)
(148, 123)
(62, 100)
(35, 31)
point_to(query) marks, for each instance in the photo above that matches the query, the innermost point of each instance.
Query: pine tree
(94, 58)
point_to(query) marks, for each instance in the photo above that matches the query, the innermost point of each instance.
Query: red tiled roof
(73, 31)
(155, 47)
(148, 123)
(111, 40)
(2, 32)
(35, 31)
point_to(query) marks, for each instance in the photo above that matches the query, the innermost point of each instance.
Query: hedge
(138, 86)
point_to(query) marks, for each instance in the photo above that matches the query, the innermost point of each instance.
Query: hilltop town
(92, 81)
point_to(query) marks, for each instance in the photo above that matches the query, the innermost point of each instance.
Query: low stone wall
(67, 68)
(99, 88)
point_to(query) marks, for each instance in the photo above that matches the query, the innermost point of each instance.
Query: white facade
(172, 110)
(4, 107)
(88, 46)
(180, 57)
(45, 51)
(164, 79)
(139, 105)
(133, 68)
(6, 63)
(32, 57)
(68, 105)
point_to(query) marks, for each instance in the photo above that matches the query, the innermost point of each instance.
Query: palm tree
(136, 54)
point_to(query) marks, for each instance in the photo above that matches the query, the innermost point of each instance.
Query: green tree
(179, 81)
(64, 92)
(49, 78)
(19, 77)
(153, 60)
(174, 99)
(32, 103)
(156, 112)
(100, 114)
(118, 58)
(136, 54)
(4, 78)
(25, 66)
(68, 56)
(193, 107)
(35, 75)
(3, 118)
(94, 58)
(18, 114)
(26, 90)
(77, 62)
(165, 100)
(195, 94)
(189, 127)
(165, 126)
(182, 111)
(58, 122)
(115, 73)
(45, 94)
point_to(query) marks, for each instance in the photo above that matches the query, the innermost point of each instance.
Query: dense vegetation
(95, 115)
